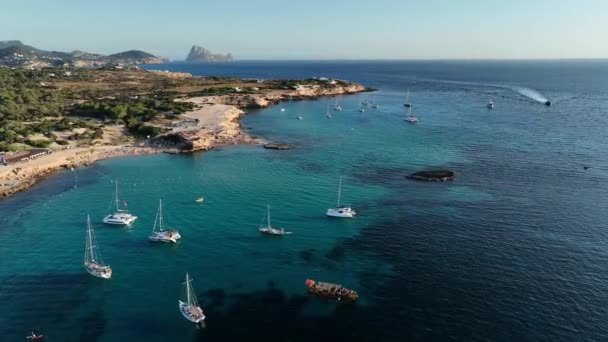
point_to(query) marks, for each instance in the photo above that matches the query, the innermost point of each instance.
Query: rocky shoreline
(214, 122)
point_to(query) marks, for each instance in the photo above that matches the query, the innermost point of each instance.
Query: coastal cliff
(200, 54)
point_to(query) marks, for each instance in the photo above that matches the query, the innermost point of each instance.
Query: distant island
(200, 54)
(13, 53)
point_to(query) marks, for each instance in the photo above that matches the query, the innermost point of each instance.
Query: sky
(316, 29)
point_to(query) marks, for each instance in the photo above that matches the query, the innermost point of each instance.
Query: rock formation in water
(200, 54)
(433, 176)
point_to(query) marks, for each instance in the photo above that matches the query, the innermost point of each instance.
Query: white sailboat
(190, 308)
(374, 104)
(268, 228)
(121, 216)
(341, 211)
(327, 113)
(410, 117)
(407, 99)
(162, 234)
(337, 107)
(92, 257)
(490, 104)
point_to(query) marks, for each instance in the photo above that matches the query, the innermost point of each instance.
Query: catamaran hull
(335, 213)
(183, 308)
(123, 222)
(157, 238)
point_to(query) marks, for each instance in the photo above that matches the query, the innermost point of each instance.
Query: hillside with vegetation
(61, 106)
(14, 53)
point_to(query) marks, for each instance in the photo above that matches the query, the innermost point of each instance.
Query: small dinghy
(199, 199)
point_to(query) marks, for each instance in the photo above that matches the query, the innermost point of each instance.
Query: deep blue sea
(514, 249)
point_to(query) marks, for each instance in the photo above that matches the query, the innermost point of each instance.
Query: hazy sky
(316, 29)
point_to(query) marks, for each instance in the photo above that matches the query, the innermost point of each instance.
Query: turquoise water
(498, 254)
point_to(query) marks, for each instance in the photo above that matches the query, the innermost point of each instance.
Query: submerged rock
(433, 175)
(272, 146)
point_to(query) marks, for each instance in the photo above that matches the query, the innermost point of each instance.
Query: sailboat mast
(116, 194)
(339, 191)
(268, 207)
(188, 288)
(160, 214)
(90, 240)
(407, 96)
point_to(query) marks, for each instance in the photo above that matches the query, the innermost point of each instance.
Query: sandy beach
(213, 122)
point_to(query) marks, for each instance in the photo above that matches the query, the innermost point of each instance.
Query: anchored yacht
(341, 210)
(121, 216)
(92, 257)
(160, 233)
(190, 309)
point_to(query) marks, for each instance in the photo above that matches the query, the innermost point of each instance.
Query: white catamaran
(272, 231)
(161, 234)
(92, 257)
(121, 216)
(341, 211)
(190, 308)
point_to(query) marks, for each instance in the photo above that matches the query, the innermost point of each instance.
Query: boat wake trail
(532, 94)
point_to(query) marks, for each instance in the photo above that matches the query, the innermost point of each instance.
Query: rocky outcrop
(304, 93)
(433, 175)
(200, 54)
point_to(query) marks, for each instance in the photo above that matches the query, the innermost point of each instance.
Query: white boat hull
(341, 212)
(183, 308)
(273, 231)
(120, 220)
(104, 272)
(160, 237)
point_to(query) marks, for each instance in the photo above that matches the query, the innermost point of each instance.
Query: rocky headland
(100, 117)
